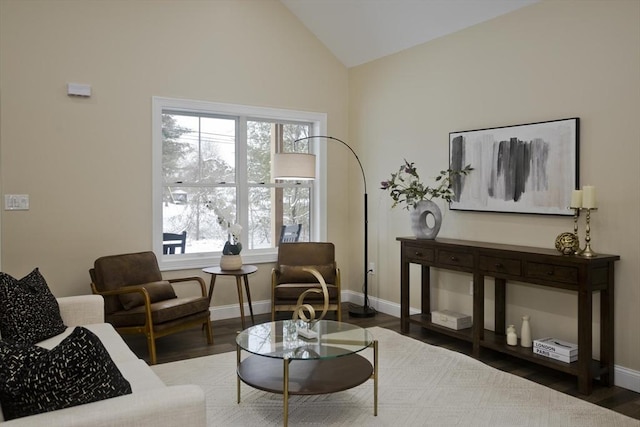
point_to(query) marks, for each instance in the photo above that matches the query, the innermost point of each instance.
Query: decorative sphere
(567, 243)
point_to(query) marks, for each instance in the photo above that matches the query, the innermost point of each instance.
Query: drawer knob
(453, 258)
(550, 273)
(418, 253)
(499, 265)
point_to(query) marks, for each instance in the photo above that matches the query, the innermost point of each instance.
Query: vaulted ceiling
(359, 31)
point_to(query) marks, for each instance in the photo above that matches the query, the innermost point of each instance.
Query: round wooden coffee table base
(305, 376)
(308, 377)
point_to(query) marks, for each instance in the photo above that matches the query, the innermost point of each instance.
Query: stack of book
(556, 349)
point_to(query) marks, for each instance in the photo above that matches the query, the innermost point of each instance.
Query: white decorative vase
(525, 333)
(512, 337)
(424, 211)
(230, 262)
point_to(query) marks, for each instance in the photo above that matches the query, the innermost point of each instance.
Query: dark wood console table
(545, 267)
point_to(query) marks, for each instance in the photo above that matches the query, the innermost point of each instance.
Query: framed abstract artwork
(530, 168)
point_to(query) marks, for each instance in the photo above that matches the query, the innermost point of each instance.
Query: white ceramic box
(451, 319)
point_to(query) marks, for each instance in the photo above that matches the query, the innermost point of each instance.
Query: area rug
(419, 385)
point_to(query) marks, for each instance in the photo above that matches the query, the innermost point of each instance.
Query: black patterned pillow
(79, 370)
(29, 313)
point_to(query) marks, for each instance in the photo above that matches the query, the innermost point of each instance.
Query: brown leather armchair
(138, 301)
(289, 280)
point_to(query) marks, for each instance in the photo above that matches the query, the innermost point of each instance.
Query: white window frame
(318, 225)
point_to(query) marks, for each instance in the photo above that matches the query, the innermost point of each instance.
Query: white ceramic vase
(425, 211)
(525, 333)
(230, 262)
(512, 337)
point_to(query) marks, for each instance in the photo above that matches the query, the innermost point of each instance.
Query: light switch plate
(16, 202)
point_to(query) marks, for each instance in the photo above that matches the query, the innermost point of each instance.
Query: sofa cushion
(297, 274)
(118, 350)
(158, 291)
(77, 371)
(28, 310)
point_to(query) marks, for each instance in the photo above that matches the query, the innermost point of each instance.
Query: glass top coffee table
(282, 360)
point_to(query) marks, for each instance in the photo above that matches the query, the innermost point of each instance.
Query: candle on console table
(589, 197)
(576, 199)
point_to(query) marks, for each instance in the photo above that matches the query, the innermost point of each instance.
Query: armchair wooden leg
(209, 328)
(151, 341)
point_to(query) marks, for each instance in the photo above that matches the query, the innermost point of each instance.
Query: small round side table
(239, 274)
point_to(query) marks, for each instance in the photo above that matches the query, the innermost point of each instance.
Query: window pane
(265, 221)
(296, 209)
(259, 136)
(198, 149)
(195, 210)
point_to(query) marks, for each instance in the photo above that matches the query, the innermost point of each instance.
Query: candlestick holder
(587, 252)
(576, 214)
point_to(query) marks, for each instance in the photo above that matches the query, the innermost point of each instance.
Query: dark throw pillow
(29, 313)
(158, 291)
(79, 370)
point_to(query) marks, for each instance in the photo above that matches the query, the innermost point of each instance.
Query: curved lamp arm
(346, 145)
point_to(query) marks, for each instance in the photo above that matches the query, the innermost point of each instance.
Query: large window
(213, 164)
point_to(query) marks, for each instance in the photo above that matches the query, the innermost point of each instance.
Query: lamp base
(361, 311)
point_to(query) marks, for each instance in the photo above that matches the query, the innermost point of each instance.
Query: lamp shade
(294, 166)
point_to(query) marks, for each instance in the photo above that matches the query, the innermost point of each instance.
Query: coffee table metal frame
(327, 364)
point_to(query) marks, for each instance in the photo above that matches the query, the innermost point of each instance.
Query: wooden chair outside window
(173, 241)
(290, 233)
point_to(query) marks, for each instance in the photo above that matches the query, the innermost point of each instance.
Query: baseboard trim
(624, 377)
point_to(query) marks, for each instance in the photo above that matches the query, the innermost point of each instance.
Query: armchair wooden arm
(200, 280)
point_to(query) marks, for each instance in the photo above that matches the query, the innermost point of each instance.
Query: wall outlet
(372, 268)
(471, 287)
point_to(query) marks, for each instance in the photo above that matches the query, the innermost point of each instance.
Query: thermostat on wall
(78, 89)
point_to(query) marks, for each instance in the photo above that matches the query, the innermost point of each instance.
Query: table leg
(246, 288)
(285, 392)
(211, 285)
(239, 285)
(375, 378)
(238, 366)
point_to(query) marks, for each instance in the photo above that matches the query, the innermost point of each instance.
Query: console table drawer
(455, 258)
(509, 266)
(558, 273)
(418, 253)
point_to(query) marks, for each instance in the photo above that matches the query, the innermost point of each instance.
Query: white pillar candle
(589, 197)
(576, 199)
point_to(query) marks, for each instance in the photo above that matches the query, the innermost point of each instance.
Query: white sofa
(151, 402)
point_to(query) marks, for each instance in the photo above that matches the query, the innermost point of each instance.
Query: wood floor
(193, 343)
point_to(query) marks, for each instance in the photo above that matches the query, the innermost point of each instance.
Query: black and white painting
(531, 168)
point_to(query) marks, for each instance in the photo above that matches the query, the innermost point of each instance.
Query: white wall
(551, 60)
(86, 163)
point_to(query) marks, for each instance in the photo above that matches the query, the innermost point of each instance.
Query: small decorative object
(230, 262)
(512, 337)
(525, 333)
(420, 216)
(567, 243)
(230, 259)
(405, 187)
(451, 319)
(589, 204)
(306, 312)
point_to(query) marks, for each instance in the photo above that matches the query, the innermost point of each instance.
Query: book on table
(556, 356)
(556, 346)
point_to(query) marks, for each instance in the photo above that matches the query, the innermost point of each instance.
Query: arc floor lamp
(302, 166)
